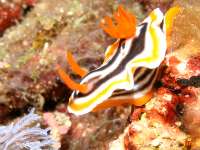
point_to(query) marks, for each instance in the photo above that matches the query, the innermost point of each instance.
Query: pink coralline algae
(59, 124)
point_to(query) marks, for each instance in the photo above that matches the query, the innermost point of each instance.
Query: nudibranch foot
(125, 26)
(119, 102)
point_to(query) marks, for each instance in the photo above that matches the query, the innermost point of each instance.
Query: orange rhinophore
(125, 24)
(67, 80)
(74, 66)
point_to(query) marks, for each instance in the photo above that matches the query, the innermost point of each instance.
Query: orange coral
(125, 24)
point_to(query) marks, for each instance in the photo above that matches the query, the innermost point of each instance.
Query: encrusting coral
(25, 134)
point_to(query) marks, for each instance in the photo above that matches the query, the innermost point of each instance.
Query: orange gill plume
(125, 26)
(78, 70)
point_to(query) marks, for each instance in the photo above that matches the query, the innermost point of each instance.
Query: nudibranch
(131, 64)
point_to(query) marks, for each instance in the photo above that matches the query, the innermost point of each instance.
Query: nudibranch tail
(74, 66)
(69, 82)
(169, 17)
(125, 24)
